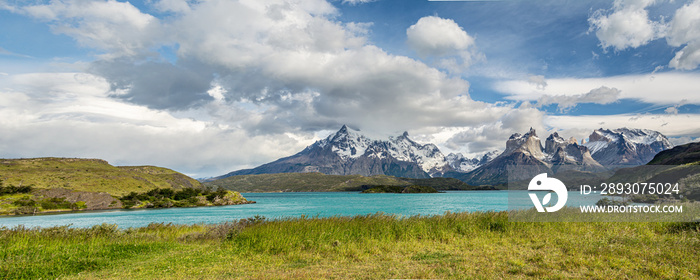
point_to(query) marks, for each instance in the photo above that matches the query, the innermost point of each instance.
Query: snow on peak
(347, 143)
(428, 156)
(462, 163)
(350, 144)
(601, 138)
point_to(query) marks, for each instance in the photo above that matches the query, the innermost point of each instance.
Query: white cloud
(683, 140)
(684, 29)
(539, 81)
(661, 88)
(71, 115)
(116, 27)
(356, 2)
(670, 125)
(439, 37)
(601, 95)
(175, 6)
(487, 137)
(627, 26)
(265, 75)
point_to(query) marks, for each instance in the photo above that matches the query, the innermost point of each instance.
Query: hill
(680, 164)
(683, 154)
(90, 175)
(318, 182)
(29, 186)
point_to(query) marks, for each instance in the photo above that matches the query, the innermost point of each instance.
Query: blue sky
(206, 87)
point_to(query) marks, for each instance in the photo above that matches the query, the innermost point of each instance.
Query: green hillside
(318, 182)
(90, 175)
(680, 164)
(30, 186)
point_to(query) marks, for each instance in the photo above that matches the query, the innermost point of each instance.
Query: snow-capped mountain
(605, 148)
(520, 150)
(461, 163)
(569, 152)
(349, 152)
(625, 146)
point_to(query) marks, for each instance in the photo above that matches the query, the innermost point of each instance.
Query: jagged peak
(555, 136)
(532, 132)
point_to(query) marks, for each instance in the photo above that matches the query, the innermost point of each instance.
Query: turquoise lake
(283, 205)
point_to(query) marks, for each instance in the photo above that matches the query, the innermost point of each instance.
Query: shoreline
(69, 211)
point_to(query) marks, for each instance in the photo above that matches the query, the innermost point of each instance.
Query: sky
(206, 87)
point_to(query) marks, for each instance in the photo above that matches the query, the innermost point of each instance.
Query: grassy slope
(452, 246)
(308, 182)
(90, 175)
(669, 166)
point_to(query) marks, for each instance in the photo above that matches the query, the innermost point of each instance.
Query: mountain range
(349, 152)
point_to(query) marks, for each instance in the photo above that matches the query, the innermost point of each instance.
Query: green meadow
(449, 246)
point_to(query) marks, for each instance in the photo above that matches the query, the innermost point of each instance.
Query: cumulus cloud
(265, 75)
(116, 27)
(71, 115)
(159, 85)
(601, 95)
(627, 26)
(488, 137)
(439, 37)
(685, 30)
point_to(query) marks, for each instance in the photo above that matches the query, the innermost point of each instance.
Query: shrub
(611, 202)
(15, 190)
(25, 201)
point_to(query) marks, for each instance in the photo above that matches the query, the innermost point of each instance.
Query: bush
(78, 205)
(55, 203)
(25, 201)
(25, 210)
(610, 202)
(15, 190)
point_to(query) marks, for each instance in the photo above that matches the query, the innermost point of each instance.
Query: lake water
(282, 205)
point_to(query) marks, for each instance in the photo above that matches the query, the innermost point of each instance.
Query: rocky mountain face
(460, 163)
(348, 152)
(605, 148)
(520, 150)
(569, 152)
(624, 146)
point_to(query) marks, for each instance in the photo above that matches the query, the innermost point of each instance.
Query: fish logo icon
(542, 183)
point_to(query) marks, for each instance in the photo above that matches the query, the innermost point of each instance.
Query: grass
(91, 175)
(450, 246)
